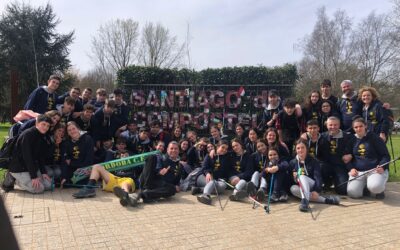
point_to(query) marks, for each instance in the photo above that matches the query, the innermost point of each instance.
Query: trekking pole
(304, 194)
(270, 192)
(391, 146)
(219, 198)
(369, 171)
(250, 198)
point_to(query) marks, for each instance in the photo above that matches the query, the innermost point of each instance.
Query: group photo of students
(314, 151)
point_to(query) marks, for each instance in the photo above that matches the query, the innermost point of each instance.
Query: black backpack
(6, 151)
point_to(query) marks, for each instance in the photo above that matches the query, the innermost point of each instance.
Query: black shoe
(85, 193)
(260, 195)
(380, 196)
(122, 195)
(304, 206)
(251, 188)
(275, 197)
(366, 192)
(197, 190)
(238, 196)
(133, 199)
(8, 182)
(283, 197)
(332, 200)
(204, 198)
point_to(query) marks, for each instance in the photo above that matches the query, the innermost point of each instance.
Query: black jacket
(30, 153)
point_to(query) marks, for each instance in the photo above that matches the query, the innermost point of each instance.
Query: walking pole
(391, 146)
(250, 198)
(302, 191)
(270, 192)
(369, 171)
(219, 198)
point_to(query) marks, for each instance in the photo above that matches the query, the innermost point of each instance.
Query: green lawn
(394, 172)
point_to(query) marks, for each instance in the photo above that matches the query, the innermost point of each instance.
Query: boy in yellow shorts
(110, 181)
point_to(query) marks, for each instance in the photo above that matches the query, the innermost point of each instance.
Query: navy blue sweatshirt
(78, 104)
(219, 167)
(105, 126)
(258, 161)
(312, 170)
(79, 152)
(242, 166)
(339, 145)
(121, 114)
(368, 152)
(30, 153)
(283, 166)
(41, 101)
(196, 157)
(376, 118)
(348, 107)
(175, 172)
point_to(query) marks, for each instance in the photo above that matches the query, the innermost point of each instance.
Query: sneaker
(240, 195)
(197, 190)
(8, 182)
(251, 188)
(304, 205)
(122, 195)
(204, 198)
(380, 196)
(283, 197)
(260, 196)
(85, 193)
(274, 197)
(133, 199)
(332, 200)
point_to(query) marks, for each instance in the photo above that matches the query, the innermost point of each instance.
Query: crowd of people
(326, 143)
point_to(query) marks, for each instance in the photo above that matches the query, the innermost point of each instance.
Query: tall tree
(159, 48)
(30, 46)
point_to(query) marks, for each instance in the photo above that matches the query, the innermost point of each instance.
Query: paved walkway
(57, 221)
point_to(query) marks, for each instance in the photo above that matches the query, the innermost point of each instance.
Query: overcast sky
(223, 33)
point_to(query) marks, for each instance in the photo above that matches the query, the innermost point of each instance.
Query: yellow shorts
(117, 181)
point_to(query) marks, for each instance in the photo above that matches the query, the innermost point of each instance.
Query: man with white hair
(348, 105)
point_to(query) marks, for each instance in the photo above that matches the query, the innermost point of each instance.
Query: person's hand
(353, 172)
(314, 195)
(235, 181)
(178, 189)
(62, 183)
(347, 158)
(304, 136)
(163, 171)
(380, 170)
(212, 154)
(208, 177)
(68, 161)
(46, 177)
(382, 136)
(273, 169)
(295, 175)
(36, 183)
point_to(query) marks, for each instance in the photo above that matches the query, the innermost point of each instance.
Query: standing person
(157, 134)
(333, 168)
(240, 133)
(326, 93)
(288, 124)
(121, 110)
(74, 94)
(307, 172)
(241, 172)
(28, 158)
(100, 100)
(251, 141)
(270, 114)
(44, 98)
(348, 105)
(216, 136)
(66, 109)
(374, 114)
(327, 110)
(214, 168)
(86, 96)
(78, 152)
(105, 122)
(368, 152)
(312, 106)
(86, 119)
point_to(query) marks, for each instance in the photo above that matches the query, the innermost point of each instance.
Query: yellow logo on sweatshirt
(75, 152)
(361, 150)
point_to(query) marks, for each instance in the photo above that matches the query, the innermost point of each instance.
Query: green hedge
(282, 77)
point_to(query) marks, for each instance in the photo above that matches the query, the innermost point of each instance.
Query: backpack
(6, 151)
(190, 180)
